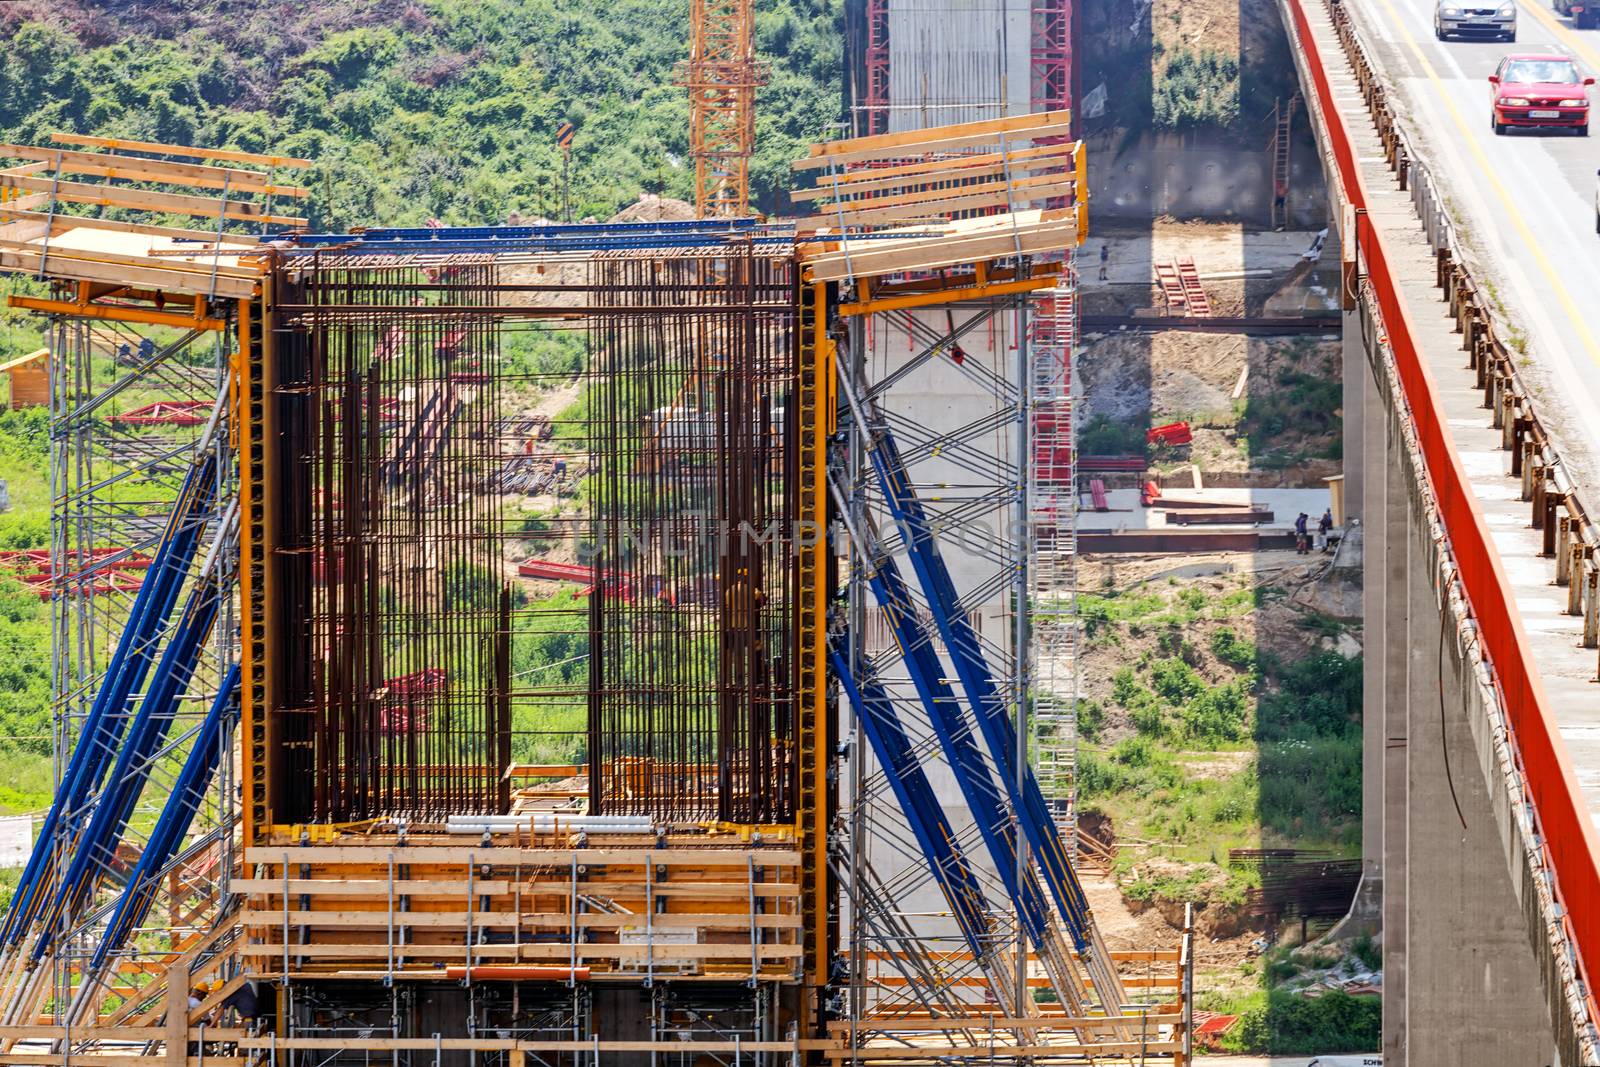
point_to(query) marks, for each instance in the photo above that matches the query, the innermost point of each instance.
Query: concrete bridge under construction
(826, 810)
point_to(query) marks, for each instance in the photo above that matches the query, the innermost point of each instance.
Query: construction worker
(1324, 524)
(197, 996)
(1280, 205)
(1314, 253)
(1105, 258)
(246, 1001)
(1302, 537)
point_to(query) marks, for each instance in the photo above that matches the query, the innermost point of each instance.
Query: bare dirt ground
(1244, 271)
(1158, 928)
(1197, 24)
(653, 208)
(1126, 375)
(1174, 375)
(1121, 928)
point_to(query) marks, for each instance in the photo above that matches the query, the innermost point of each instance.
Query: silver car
(1463, 18)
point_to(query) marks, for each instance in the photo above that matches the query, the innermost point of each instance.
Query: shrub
(1319, 695)
(1125, 687)
(1176, 681)
(1219, 714)
(1368, 951)
(1148, 718)
(1097, 777)
(541, 353)
(1091, 719)
(1311, 787)
(1332, 1023)
(1102, 437)
(1232, 649)
(1197, 89)
(1094, 613)
(1134, 752)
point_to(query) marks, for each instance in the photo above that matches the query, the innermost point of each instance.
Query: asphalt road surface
(1524, 201)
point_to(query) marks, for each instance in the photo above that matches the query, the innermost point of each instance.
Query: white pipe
(594, 824)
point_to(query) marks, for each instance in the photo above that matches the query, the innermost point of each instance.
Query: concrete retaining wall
(1202, 175)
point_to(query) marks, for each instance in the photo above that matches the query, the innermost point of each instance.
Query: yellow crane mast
(722, 77)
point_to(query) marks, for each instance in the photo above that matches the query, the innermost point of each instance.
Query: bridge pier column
(1365, 457)
(1461, 985)
(1392, 514)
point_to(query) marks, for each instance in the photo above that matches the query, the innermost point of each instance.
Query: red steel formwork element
(875, 103)
(108, 570)
(166, 413)
(1051, 77)
(1172, 288)
(1194, 294)
(1052, 329)
(1172, 433)
(1567, 832)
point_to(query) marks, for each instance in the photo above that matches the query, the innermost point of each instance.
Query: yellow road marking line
(1487, 169)
(1568, 35)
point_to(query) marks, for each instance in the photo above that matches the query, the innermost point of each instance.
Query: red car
(1539, 90)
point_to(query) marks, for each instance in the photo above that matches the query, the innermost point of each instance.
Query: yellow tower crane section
(722, 77)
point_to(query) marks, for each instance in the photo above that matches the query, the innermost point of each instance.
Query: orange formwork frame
(816, 411)
(1569, 836)
(253, 417)
(253, 420)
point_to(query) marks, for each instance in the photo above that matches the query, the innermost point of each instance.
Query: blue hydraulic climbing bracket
(954, 731)
(95, 849)
(977, 683)
(929, 823)
(988, 704)
(108, 717)
(172, 826)
(950, 725)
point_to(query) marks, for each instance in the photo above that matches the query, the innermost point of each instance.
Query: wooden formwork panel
(619, 912)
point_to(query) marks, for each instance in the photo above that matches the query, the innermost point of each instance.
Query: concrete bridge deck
(1482, 963)
(1524, 203)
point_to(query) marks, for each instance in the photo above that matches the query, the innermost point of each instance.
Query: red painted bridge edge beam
(1566, 831)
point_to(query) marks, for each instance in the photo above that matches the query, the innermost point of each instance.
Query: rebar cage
(535, 509)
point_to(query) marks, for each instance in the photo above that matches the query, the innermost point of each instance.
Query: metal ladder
(1052, 561)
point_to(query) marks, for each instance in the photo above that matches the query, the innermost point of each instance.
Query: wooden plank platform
(1017, 129)
(46, 231)
(982, 191)
(622, 912)
(967, 241)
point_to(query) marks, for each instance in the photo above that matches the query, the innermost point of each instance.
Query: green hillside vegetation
(1206, 742)
(438, 108)
(24, 618)
(1201, 740)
